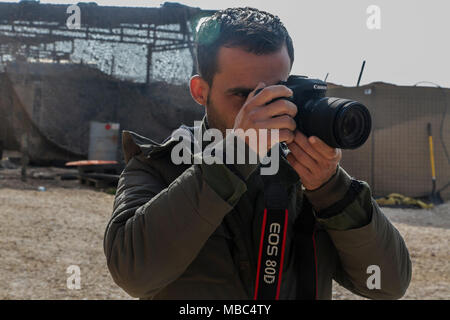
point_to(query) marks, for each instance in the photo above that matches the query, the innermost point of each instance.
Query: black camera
(340, 123)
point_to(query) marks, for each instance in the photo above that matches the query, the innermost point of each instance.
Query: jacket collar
(134, 144)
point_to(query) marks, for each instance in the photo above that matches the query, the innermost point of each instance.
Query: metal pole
(24, 159)
(361, 72)
(149, 63)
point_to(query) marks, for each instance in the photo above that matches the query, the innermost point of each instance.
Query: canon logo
(319, 87)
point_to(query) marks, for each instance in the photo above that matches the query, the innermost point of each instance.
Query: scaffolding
(30, 31)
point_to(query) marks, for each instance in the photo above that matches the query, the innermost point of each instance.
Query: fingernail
(312, 140)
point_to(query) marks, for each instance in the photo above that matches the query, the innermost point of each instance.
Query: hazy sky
(412, 44)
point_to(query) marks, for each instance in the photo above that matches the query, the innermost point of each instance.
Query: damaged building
(122, 65)
(131, 66)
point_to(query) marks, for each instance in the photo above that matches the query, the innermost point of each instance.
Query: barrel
(103, 140)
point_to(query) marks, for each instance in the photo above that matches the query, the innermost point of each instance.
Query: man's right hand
(256, 114)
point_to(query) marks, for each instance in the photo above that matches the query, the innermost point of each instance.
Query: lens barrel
(352, 124)
(340, 123)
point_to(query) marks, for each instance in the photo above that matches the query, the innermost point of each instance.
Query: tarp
(52, 105)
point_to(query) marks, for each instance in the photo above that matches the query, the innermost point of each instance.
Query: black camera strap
(272, 243)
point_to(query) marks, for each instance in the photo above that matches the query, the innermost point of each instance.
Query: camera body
(340, 123)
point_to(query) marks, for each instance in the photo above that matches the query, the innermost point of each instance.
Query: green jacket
(193, 231)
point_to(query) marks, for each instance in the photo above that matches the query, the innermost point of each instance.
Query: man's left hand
(313, 160)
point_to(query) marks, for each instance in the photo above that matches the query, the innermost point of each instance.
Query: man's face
(239, 72)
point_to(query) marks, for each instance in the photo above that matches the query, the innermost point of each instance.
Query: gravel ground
(427, 236)
(44, 232)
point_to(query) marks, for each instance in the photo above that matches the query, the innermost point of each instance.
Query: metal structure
(119, 65)
(31, 31)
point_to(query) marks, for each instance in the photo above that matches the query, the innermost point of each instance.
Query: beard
(213, 117)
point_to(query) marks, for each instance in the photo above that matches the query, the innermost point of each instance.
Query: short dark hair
(253, 30)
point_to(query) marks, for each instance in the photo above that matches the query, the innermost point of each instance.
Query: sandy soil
(427, 236)
(44, 232)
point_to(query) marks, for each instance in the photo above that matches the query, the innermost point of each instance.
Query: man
(193, 231)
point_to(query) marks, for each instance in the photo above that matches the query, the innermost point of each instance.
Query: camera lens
(349, 124)
(340, 123)
(352, 124)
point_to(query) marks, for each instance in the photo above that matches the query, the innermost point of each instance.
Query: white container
(103, 140)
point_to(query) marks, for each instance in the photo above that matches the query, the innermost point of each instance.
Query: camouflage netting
(124, 65)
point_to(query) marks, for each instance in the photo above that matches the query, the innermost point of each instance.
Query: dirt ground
(44, 232)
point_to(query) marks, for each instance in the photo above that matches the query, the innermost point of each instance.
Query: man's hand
(255, 114)
(313, 160)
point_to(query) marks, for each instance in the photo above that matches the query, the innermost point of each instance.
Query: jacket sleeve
(363, 237)
(155, 232)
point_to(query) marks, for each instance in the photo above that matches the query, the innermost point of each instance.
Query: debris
(97, 173)
(399, 200)
(68, 176)
(43, 175)
(7, 164)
